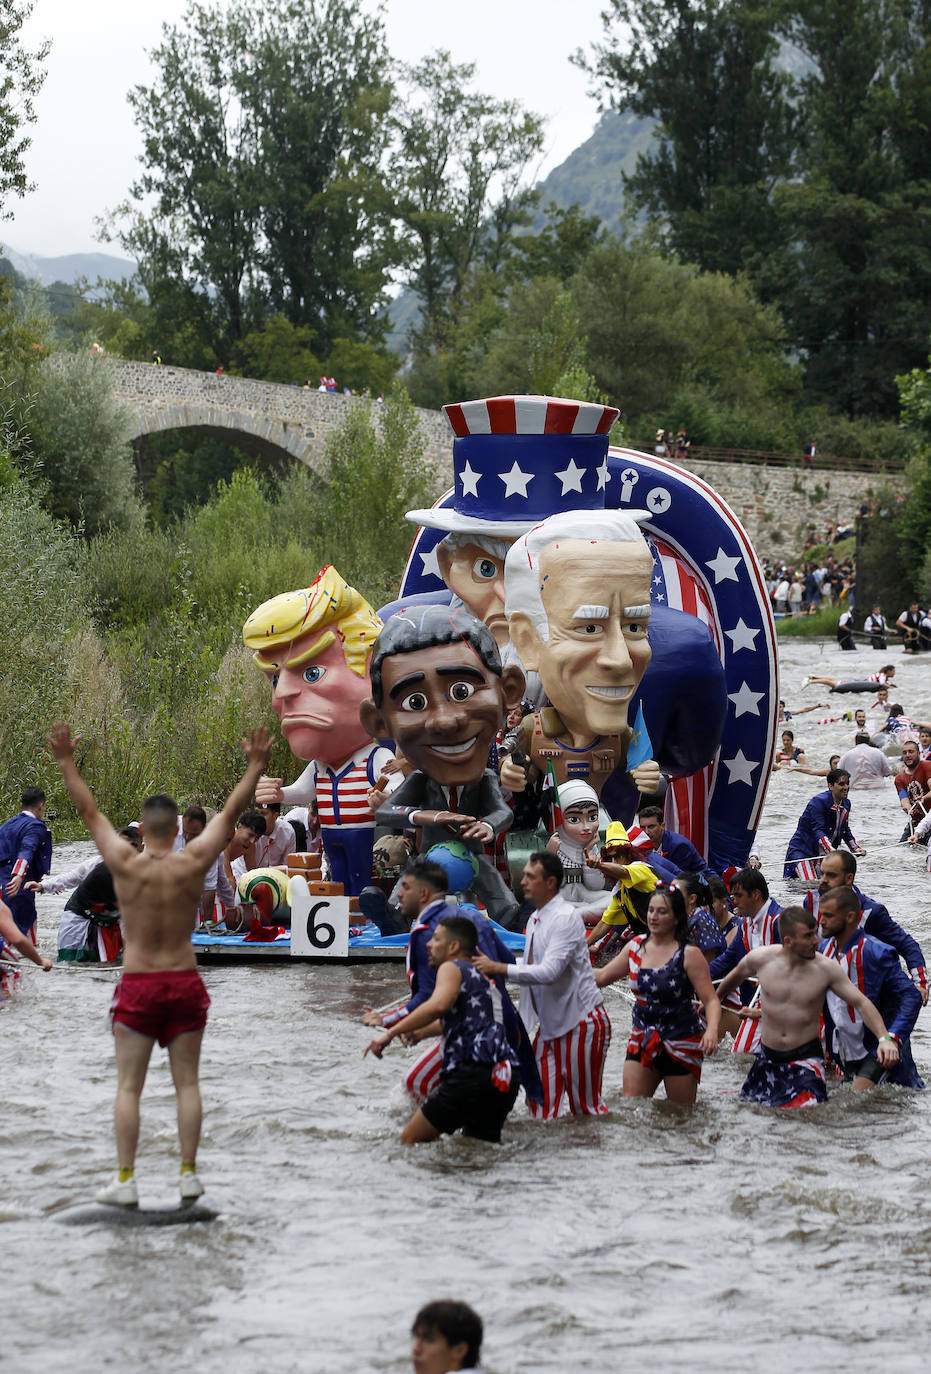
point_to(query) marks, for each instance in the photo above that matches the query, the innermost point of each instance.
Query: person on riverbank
(446, 1336)
(875, 626)
(851, 1037)
(160, 996)
(478, 1081)
(794, 980)
(668, 1041)
(559, 993)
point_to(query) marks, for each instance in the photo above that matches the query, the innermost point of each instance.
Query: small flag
(640, 747)
(551, 794)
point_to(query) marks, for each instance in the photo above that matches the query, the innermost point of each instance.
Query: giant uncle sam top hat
(517, 459)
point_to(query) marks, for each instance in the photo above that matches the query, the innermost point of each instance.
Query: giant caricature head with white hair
(577, 598)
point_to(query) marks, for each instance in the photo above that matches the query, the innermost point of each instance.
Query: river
(722, 1237)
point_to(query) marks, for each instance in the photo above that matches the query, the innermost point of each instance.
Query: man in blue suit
(25, 857)
(875, 969)
(823, 825)
(672, 846)
(839, 870)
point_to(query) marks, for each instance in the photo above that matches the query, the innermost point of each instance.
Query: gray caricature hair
(498, 548)
(522, 565)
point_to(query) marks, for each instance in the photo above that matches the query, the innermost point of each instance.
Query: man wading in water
(161, 995)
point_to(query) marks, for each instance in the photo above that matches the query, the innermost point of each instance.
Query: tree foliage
(21, 78)
(457, 170)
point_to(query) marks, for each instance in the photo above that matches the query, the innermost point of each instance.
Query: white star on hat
(515, 481)
(470, 480)
(571, 477)
(603, 474)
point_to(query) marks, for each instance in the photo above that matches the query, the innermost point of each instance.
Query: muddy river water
(728, 1236)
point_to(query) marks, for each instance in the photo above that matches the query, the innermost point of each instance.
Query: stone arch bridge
(778, 505)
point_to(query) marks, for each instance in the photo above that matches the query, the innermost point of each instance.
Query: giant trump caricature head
(314, 645)
(577, 593)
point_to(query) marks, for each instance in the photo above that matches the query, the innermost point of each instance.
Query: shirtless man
(161, 995)
(794, 979)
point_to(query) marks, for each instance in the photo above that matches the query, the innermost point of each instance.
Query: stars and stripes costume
(876, 921)
(875, 969)
(347, 823)
(710, 691)
(786, 1078)
(26, 851)
(666, 1027)
(823, 825)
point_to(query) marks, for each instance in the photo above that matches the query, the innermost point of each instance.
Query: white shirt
(868, 767)
(558, 988)
(62, 882)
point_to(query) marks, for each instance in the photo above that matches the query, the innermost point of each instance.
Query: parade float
(550, 539)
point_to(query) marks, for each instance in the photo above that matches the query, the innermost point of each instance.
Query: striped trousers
(573, 1064)
(424, 1075)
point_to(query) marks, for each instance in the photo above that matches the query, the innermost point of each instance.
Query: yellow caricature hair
(329, 605)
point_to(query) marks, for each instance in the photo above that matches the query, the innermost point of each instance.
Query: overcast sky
(85, 146)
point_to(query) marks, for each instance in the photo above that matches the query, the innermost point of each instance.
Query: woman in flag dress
(667, 1040)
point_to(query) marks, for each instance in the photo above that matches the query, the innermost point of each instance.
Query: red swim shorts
(161, 1005)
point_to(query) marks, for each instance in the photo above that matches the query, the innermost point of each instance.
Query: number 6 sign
(319, 924)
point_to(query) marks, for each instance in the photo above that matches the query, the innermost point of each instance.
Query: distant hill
(591, 174)
(70, 267)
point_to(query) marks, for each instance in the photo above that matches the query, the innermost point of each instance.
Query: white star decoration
(724, 568)
(745, 701)
(515, 481)
(431, 567)
(571, 477)
(742, 636)
(603, 474)
(740, 769)
(470, 480)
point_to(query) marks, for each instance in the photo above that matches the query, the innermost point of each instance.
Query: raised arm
(218, 831)
(113, 849)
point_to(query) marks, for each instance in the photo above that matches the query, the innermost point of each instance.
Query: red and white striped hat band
(518, 459)
(639, 838)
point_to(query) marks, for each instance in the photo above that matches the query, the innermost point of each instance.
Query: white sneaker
(804, 682)
(191, 1187)
(117, 1194)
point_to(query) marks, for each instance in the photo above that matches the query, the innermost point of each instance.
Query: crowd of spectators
(806, 588)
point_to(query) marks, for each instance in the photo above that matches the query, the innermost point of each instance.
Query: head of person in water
(834, 760)
(193, 823)
(859, 718)
(667, 913)
(455, 937)
(749, 891)
(422, 882)
(924, 736)
(910, 754)
(838, 869)
(445, 1336)
(882, 695)
(839, 914)
(159, 817)
(788, 741)
(838, 781)
(861, 737)
(798, 931)
(133, 834)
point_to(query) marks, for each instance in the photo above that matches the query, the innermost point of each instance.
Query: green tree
(261, 133)
(79, 440)
(457, 171)
(21, 78)
(854, 275)
(726, 122)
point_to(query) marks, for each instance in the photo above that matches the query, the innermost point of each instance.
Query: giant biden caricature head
(577, 592)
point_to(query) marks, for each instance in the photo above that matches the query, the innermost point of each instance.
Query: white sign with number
(319, 925)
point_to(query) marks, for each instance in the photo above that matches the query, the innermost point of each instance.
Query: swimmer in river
(161, 995)
(794, 979)
(446, 1336)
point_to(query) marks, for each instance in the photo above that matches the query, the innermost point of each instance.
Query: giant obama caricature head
(439, 691)
(314, 646)
(578, 605)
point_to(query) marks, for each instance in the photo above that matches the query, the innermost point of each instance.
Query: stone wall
(776, 505)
